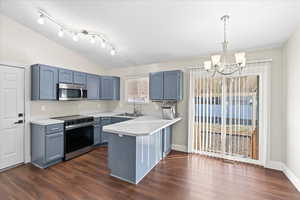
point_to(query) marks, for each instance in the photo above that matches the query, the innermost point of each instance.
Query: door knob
(20, 115)
(19, 122)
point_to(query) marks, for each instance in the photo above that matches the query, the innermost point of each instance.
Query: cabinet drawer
(54, 128)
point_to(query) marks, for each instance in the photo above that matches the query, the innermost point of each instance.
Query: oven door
(67, 92)
(78, 141)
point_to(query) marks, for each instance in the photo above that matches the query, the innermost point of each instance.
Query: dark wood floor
(180, 176)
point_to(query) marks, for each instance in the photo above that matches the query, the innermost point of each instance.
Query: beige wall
(181, 129)
(21, 45)
(292, 103)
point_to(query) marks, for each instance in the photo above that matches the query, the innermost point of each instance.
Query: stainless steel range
(79, 135)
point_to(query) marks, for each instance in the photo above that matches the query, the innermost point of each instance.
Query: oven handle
(71, 127)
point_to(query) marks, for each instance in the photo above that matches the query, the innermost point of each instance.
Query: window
(137, 90)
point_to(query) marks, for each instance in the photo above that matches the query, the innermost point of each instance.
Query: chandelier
(220, 63)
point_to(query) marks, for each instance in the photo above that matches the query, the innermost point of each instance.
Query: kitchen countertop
(45, 122)
(140, 126)
(108, 114)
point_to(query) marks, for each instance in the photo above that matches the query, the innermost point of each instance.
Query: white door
(11, 116)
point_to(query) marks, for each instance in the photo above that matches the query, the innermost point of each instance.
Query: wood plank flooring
(179, 177)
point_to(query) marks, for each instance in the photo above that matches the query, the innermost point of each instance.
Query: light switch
(43, 108)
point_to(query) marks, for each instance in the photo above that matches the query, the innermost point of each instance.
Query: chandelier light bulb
(75, 37)
(60, 33)
(41, 19)
(103, 43)
(93, 40)
(207, 65)
(112, 52)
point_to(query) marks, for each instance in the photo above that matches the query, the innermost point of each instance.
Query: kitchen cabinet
(79, 78)
(166, 85)
(65, 76)
(44, 80)
(107, 121)
(156, 82)
(93, 87)
(109, 88)
(47, 144)
(166, 140)
(97, 134)
(173, 85)
(131, 158)
(54, 147)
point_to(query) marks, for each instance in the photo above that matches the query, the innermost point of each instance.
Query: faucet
(136, 112)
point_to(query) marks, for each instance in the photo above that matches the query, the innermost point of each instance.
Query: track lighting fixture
(92, 37)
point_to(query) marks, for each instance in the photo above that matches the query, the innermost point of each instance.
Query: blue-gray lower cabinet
(107, 121)
(166, 141)
(97, 134)
(131, 158)
(79, 78)
(93, 86)
(65, 76)
(47, 144)
(44, 80)
(97, 130)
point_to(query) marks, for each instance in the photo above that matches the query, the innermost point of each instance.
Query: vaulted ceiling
(145, 32)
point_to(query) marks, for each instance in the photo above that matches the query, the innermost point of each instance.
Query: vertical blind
(225, 112)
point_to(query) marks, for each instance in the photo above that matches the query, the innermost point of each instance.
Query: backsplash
(46, 109)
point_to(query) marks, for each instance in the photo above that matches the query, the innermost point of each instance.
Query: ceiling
(145, 32)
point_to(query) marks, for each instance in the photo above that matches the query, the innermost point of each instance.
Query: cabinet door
(167, 140)
(107, 90)
(48, 82)
(116, 88)
(97, 134)
(172, 85)
(54, 146)
(105, 121)
(156, 86)
(79, 78)
(65, 76)
(93, 85)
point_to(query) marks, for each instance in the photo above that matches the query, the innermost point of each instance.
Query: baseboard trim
(277, 165)
(178, 147)
(292, 177)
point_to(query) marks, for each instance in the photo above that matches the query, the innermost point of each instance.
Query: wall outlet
(43, 108)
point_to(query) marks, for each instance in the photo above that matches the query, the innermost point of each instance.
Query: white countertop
(140, 126)
(107, 114)
(45, 122)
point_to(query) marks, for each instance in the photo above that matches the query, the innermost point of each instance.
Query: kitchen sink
(130, 115)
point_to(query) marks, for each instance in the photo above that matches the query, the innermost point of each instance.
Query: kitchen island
(136, 146)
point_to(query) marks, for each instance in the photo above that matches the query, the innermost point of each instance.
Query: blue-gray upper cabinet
(109, 88)
(93, 86)
(65, 76)
(173, 85)
(44, 80)
(166, 85)
(79, 78)
(156, 85)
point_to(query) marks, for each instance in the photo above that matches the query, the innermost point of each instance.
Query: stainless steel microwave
(71, 92)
